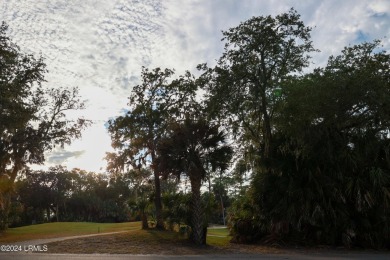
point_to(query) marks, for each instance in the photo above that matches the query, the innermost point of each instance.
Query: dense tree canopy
(328, 180)
(58, 194)
(259, 54)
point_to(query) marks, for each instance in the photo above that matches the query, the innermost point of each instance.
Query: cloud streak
(60, 156)
(100, 46)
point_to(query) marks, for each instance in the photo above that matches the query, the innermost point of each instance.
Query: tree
(45, 192)
(140, 188)
(176, 209)
(135, 135)
(190, 148)
(344, 108)
(32, 118)
(221, 194)
(259, 54)
(329, 180)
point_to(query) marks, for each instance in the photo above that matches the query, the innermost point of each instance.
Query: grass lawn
(154, 242)
(218, 231)
(218, 237)
(136, 241)
(63, 229)
(140, 242)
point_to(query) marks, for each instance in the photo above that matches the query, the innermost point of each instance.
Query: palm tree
(190, 148)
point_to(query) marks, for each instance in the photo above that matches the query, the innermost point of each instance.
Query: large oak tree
(259, 53)
(152, 105)
(32, 117)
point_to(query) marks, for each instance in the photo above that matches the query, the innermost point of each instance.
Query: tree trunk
(267, 135)
(223, 210)
(6, 189)
(157, 202)
(144, 219)
(48, 214)
(157, 196)
(57, 213)
(5, 203)
(198, 235)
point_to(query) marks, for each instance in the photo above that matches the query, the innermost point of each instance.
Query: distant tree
(220, 187)
(96, 197)
(35, 197)
(190, 148)
(140, 192)
(141, 202)
(136, 134)
(176, 209)
(32, 118)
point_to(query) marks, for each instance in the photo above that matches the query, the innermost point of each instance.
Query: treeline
(61, 195)
(58, 194)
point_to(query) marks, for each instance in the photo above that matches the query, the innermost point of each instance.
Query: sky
(100, 46)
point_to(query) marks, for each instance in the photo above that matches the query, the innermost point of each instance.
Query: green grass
(61, 229)
(218, 231)
(218, 237)
(140, 242)
(218, 241)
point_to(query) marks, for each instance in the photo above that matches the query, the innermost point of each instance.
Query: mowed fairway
(136, 242)
(63, 229)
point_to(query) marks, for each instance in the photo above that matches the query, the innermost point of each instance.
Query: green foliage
(219, 200)
(315, 147)
(62, 195)
(152, 105)
(328, 177)
(190, 148)
(141, 194)
(245, 220)
(32, 118)
(259, 54)
(176, 209)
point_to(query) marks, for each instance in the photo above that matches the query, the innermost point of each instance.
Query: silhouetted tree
(190, 148)
(32, 118)
(136, 134)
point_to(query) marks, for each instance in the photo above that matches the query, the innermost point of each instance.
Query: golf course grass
(216, 236)
(136, 241)
(218, 231)
(63, 229)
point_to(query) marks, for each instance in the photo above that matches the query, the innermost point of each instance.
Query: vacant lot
(155, 242)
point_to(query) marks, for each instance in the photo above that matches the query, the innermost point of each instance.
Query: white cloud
(60, 156)
(101, 45)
